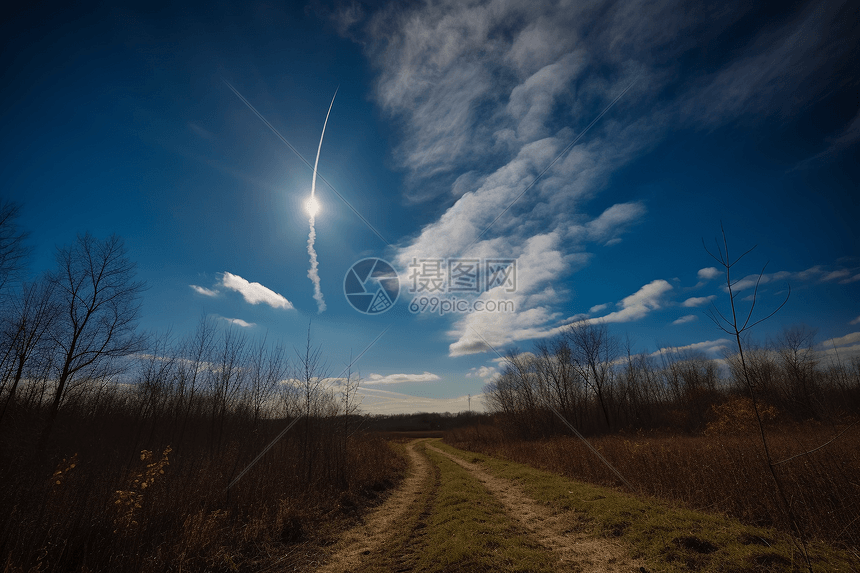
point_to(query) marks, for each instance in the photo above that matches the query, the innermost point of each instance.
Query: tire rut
(358, 543)
(381, 544)
(560, 532)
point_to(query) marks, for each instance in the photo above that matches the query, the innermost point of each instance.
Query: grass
(667, 537)
(468, 529)
(459, 526)
(720, 473)
(95, 502)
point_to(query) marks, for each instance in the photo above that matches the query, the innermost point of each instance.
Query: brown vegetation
(121, 487)
(124, 462)
(717, 472)
(126, 452)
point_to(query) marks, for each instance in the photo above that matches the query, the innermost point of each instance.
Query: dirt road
(394, 535)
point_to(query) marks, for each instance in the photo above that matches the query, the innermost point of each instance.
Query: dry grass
(96, 501)
(716, 472)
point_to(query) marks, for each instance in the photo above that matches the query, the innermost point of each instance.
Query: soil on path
(356, 543)
(562, 533)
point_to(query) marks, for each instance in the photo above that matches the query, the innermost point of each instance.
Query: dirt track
(560, 533)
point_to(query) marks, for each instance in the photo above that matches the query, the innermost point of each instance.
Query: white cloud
(483, 332)
(610, 223)
(698, 301)
(238, 322)
(598, 308)
(749, 281)
(855, 321)
(466, 97)
(848, 339)
(708, 273)
(685, 319)
(538, 266)
(400, 378)
(834, 275)
(254, 293)
(485, 373)
(641, 303)
(204, 291)
(711, 347)
(479, 91)
(843, 353)
(532, 101)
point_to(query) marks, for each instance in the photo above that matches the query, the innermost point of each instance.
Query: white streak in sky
(313, 273)
(317, 162)
(305, 161)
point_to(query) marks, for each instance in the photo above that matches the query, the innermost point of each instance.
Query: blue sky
(119, 120)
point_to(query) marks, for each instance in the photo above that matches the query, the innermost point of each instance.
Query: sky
(516, 165)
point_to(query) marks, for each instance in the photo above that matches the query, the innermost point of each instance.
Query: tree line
(595, 381)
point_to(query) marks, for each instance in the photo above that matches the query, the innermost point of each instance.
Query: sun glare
(312, 206)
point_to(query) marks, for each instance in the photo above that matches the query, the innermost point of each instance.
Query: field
(418, 505)
(461, 511)
(93, 501)
(717, 473)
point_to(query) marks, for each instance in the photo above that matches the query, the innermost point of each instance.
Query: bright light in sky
(312, 206)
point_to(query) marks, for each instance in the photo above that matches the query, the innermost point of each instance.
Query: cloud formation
(238, 322)
(711, 347)
(254, 293)
(485, 373)
(847, 340)
(708, 273)
(204, 291)
(489, 97)
(641, 303)
(376, 379)
(750, 281)
(685, 319)
(698, 301)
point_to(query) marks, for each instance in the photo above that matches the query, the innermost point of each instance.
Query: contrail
(305, 161)
(313, 274)
(317, 162)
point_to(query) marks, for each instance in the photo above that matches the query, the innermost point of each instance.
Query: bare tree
(795, 346)
(594, 352)
(269, 365)
(98, 298)
(196, 356)
(13, 251)
(735, 326)
(311, 371)
(31, 316)
(350, 401)
(226, 377)
(155, 380)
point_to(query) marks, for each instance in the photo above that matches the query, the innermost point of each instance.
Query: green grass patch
(665, 537)
(468, 530)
